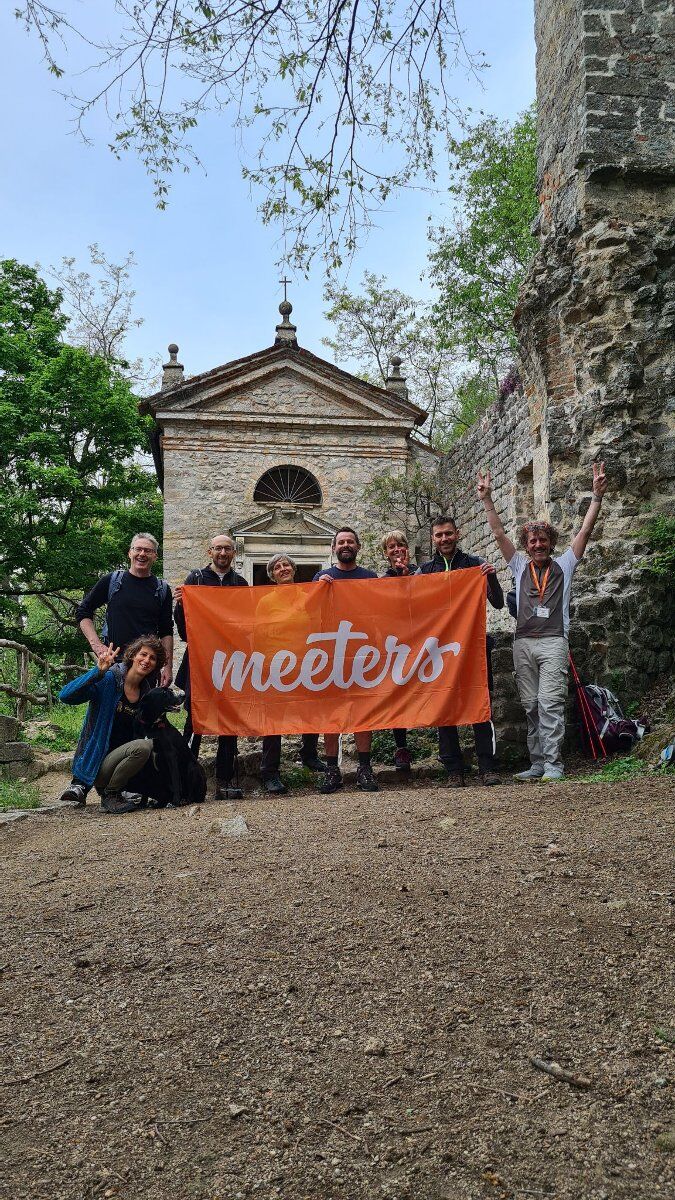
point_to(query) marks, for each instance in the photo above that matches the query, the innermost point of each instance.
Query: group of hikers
(135, 651)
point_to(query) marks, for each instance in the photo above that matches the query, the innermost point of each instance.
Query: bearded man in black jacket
(448, 557)
(218, 573)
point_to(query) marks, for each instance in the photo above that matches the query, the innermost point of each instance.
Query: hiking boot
(114, 802)
(225, 791)
(75, 793)
(365, 780)
(403, 759)
(455, 779)
(489, 778)
(534, 772)
(314, 764)
(332, 781)
(274, 787)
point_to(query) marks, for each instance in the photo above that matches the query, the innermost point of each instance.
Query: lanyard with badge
(542, 610)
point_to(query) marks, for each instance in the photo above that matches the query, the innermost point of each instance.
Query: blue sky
(206, 275)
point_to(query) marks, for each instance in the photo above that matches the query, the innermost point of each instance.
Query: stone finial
(172, 371)
(395, 381)
(285, 332)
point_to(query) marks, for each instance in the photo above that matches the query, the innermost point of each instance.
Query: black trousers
(450, 753)
(271, 753)
(225, 754)
(449, 750)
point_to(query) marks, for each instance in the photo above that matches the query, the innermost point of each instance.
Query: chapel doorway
(304, 573)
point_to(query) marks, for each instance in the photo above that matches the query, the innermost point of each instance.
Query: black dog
(180, 778)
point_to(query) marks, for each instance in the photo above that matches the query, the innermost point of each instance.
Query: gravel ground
(345, 1001)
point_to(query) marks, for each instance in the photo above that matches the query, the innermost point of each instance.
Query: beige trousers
(541, 675)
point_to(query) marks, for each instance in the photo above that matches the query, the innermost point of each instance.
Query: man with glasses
(136, 603)
(218, 573)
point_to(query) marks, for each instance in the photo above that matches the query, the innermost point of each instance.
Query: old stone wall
(500, 441)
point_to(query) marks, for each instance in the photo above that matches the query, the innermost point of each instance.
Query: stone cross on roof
(285, 332)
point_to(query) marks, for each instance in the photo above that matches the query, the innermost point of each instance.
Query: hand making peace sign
(484, 485)
(107, 657)
(599, 479)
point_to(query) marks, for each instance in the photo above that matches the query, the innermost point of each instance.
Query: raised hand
(400, 559)
(488, 569)
(599, 479)
(107, 657)
(484, 486)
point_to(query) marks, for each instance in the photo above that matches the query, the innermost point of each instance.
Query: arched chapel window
(289, 485)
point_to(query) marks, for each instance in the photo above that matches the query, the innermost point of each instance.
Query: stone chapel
(276, 448)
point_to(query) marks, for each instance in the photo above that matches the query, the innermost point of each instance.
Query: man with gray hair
(218, 573)
(136, 603)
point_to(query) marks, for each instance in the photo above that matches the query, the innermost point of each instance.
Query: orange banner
(338, 657)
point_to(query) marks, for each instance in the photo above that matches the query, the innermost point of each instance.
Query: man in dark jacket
(448, 557)
(219, 573)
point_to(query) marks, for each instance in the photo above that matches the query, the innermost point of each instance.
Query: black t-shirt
(123, 722)
(134, 609)
(338, 573)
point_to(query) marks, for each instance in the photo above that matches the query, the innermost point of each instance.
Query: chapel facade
(276, 448)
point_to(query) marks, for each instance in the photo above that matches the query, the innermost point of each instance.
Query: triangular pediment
(275, 387)
(282, 521)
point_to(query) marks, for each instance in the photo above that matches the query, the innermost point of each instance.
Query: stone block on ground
(230, 827)
(9, 729)
(11, 752)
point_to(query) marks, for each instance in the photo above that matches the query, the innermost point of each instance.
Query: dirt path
(344, 1002)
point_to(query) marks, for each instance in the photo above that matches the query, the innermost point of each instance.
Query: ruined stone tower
(596, 325)
(596, 318)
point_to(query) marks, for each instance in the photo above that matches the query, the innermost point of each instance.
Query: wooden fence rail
(24, 657)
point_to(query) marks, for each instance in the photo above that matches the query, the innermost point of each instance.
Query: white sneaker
(552, 775)
(536, 771)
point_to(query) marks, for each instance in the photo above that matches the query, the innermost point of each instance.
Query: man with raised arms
(540, 648)
(346, 546)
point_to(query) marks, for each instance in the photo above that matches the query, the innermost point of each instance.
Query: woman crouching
(108, 753)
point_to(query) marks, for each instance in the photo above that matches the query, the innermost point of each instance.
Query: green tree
(379, 322)
(346, 99)
(408, 501)
(478, 261)
(71, 494)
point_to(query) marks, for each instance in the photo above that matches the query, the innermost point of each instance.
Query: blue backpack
(161, 589)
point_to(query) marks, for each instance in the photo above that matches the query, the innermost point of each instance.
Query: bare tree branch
(326, 88)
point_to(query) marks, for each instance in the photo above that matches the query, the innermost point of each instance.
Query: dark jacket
(459, 562)
(206, 577)
(390, 573)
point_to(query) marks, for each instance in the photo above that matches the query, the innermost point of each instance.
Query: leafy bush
(660, 534)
